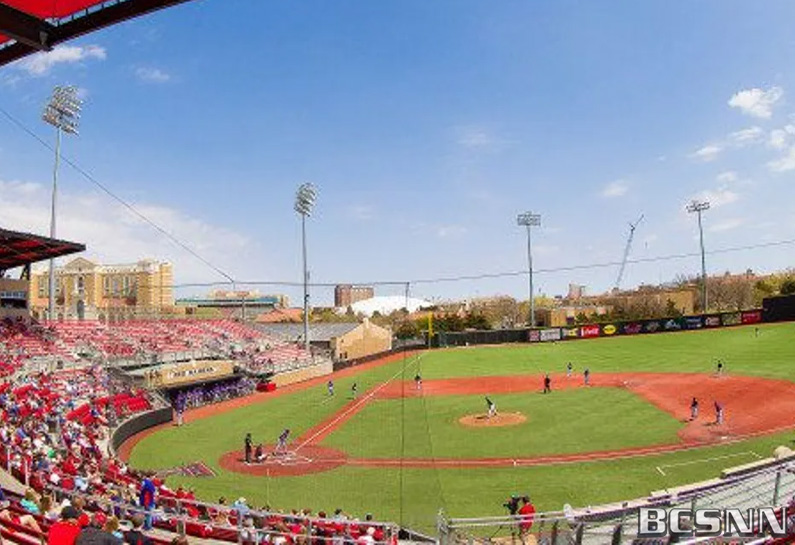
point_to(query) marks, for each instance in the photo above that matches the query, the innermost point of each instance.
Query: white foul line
(355, 406)
(712, 459)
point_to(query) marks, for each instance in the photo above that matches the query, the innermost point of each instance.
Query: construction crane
(632, 227)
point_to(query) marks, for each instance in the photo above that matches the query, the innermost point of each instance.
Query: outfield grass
(413, 496)
(564, 422)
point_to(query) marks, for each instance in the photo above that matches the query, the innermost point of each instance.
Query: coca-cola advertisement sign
(589, 331)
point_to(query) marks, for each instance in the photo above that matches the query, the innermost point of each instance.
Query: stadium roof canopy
(28, 26)
(19, 249)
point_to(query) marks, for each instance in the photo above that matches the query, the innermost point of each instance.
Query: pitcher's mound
(500, 419)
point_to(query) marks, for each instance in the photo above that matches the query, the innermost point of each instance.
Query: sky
(426, 127)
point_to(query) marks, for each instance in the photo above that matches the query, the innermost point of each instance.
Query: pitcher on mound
(492, 408)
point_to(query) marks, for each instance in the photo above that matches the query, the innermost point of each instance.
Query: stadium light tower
(304, 202)
(528, 220)
(63, 113)
(697, 207)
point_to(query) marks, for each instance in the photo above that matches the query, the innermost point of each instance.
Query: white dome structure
(387, 304)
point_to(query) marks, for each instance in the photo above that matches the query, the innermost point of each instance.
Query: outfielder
(330, 386)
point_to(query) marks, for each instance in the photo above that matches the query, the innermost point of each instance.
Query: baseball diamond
(633, 418)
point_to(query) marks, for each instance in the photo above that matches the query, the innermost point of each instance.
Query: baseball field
(401, 451)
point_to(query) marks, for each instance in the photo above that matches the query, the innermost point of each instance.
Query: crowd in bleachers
(54, 429)
(145, 340)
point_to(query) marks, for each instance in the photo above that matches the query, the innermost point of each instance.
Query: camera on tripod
(512, 505)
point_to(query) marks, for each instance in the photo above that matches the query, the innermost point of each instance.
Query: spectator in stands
(112, 527)
(136, 535)
(94, 533)
(65, 530)
(147, 499)
(26, 520)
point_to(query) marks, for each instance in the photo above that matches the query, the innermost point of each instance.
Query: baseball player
(547, 384)
(586, 375)
(492, 408)
(330, 387)
(718, 413)
(418, 381)
(720, 368)
(248, 444)
(694, 409)
(569, 369)
(354, 388)
(281, 445)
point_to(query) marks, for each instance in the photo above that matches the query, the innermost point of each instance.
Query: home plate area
(301, 461)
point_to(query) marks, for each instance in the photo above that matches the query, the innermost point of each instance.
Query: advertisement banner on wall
(571, 332)
(632, 328)
(652, 326)
(751, 317)
(712, 321)
(550, 335)
(609, 329)
(732, 318)
(672, 324)
(588, 331)
(534, 336)
(693, 322)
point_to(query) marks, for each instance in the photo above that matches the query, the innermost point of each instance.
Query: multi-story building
(345, 294)
(84, 289)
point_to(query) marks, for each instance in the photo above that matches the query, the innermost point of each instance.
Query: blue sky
(426, 126)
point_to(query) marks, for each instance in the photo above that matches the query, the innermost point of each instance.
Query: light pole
(304, 202)
(63, 113)
(528, 220)
(698, 207)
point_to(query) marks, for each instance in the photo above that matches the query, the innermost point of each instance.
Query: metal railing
(618, 524)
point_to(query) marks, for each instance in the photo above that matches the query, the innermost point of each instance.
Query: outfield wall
(608, 329)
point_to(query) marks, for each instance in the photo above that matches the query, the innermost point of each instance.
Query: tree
(476, 321)
(671, 311)
(787, 287)
(407, 329)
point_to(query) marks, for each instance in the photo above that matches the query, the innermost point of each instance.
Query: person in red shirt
(526, 514)
(66, 530)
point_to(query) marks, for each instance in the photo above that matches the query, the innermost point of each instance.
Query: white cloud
(727, 177)
(784, 163)
(448, 231)
(707, 153)
(718, 197)
(40, 64)
(614, 189)
(112, 235)
(746, 136)
(757, 102)
(778, 139)
(726, 225)
(152, 75)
